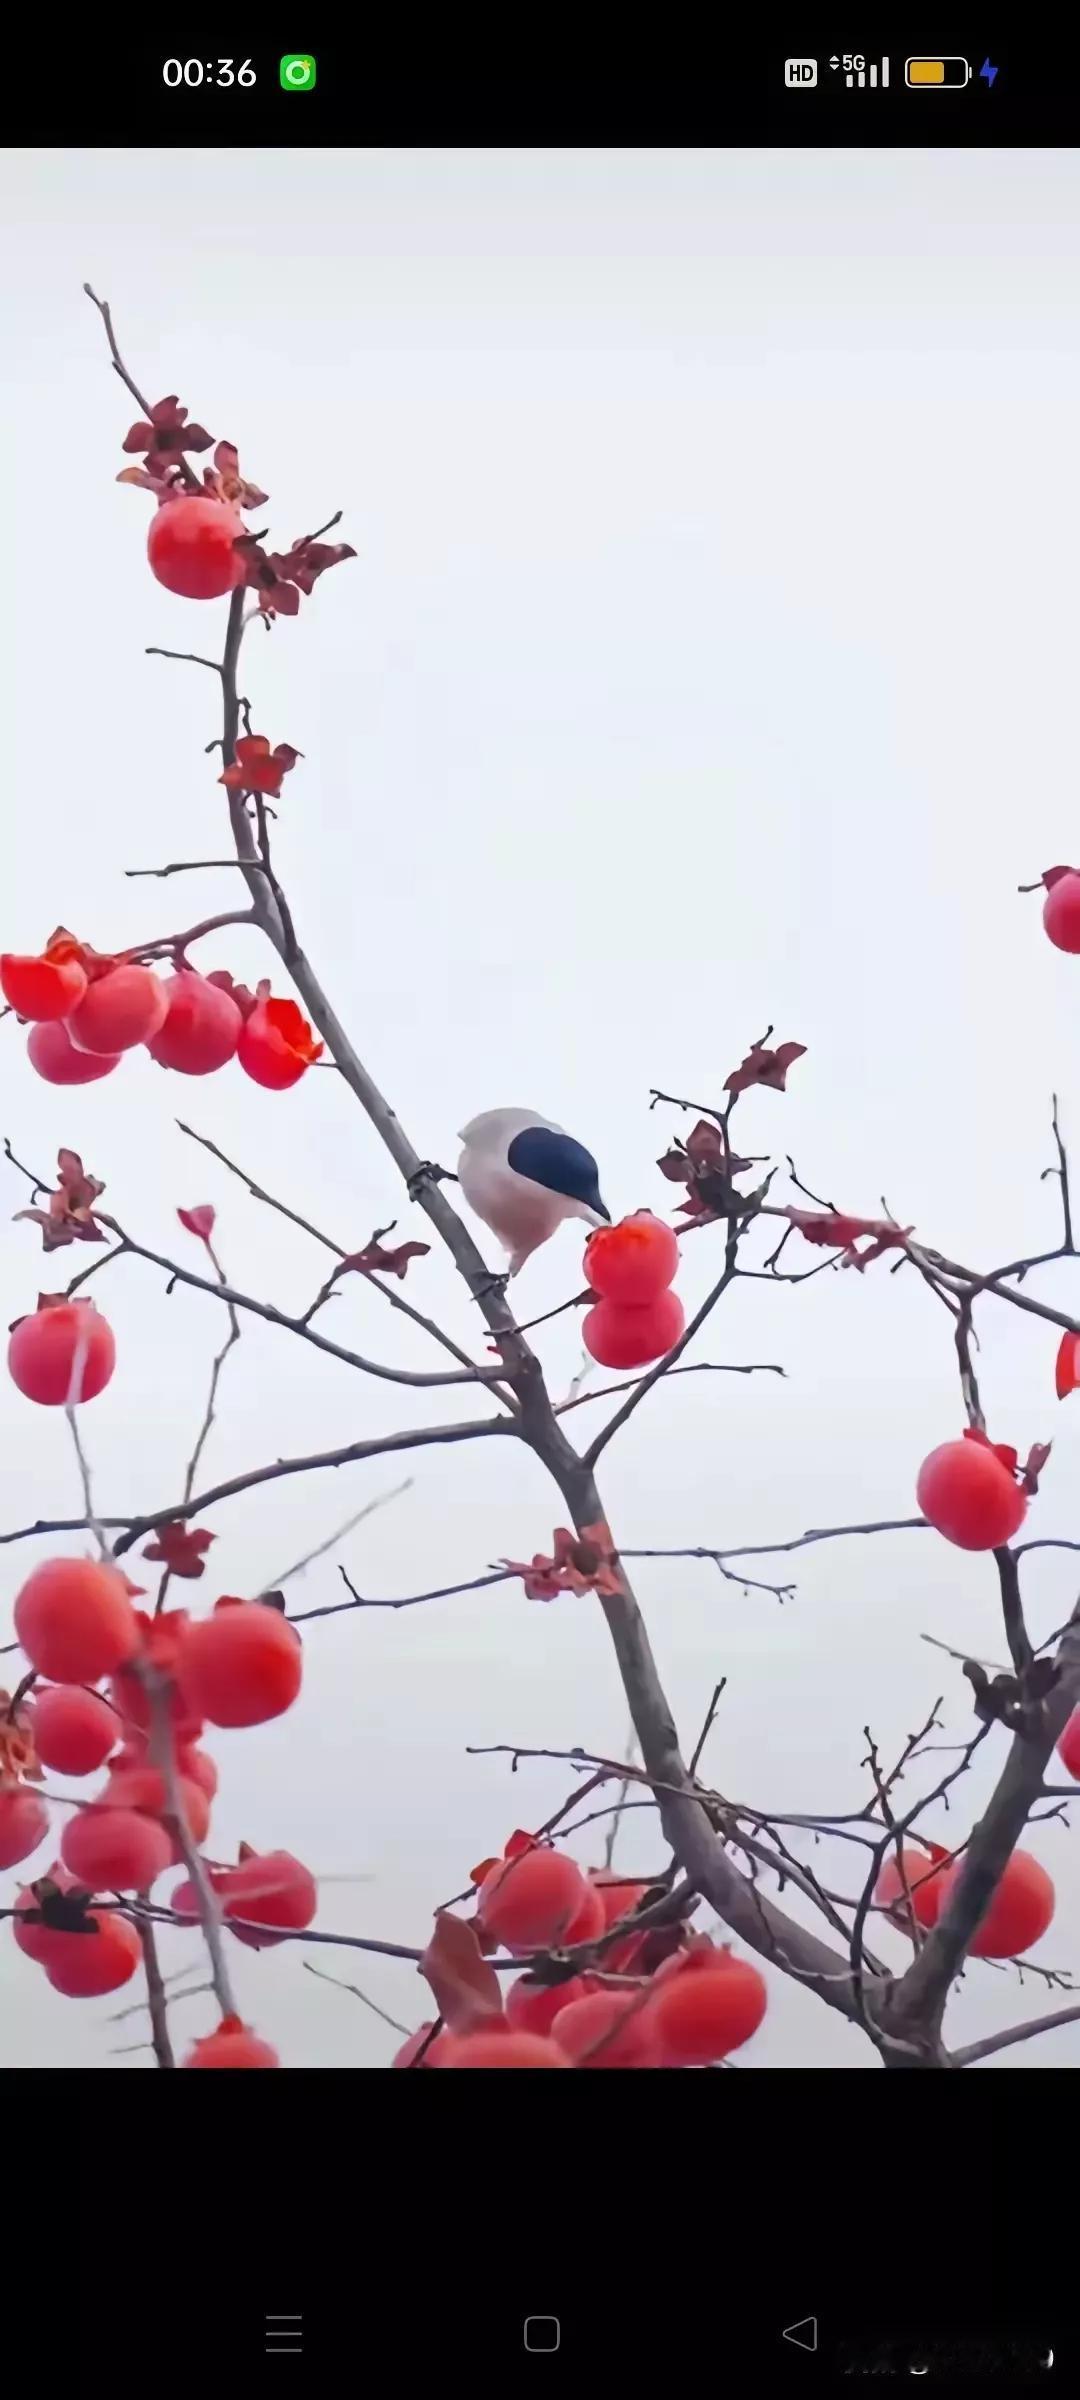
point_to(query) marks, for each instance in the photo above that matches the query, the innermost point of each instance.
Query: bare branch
(664, 1365)
(414, 1437)
(706, 1367)
(921, 1994)
(354, 1988)
(276, 1583)
(394, 1299)
(1016, 2033)
(613, 1829)
(416, 1379)
(211, 1918)
(105, 313)
(155, 1993)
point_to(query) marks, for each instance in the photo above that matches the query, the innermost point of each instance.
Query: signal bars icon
(862, 74)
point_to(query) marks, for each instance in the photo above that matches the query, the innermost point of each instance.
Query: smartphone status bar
(500, 92)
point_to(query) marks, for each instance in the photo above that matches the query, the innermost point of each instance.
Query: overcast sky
(708, 661)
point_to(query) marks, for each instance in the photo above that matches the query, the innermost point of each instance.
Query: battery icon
(936, 74)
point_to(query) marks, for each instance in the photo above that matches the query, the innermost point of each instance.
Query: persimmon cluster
(86, 1009)
(166, 1677)
(917, 1884)
(635, 1317)
(660, 1996)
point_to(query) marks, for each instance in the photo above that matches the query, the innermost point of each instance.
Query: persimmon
(241, 1666)
(232, 2045)
(607, 2029)
(499, 2049)
(75, 1620)
(967, 1490)
(43, 989)
(84, 1966)
(926, 1895)
(530, 1900)
(274, 1890)
(24, 1822)
(191, 547)
(74, 1730)
(617, 1895)
(115, 1849)
(633, 1261)
(53, 1056)
(158, 1642)
(1061, 912)
(144, 1787)
(1068, 1748)
(197, 1766)
(617, 1336)
(1020, 1912)
(44, 1347)
(276, 1045)
(589, 1921)
(532, 2007)
(123, 1008)
(201, 1029)
(703, 2011)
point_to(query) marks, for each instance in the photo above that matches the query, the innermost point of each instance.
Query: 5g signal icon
(861, 74)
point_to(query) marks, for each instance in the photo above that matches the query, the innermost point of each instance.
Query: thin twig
(155, 1994)
(211, 1917)
(75, 1386)
(354, 1988)
(277, 1583)
(613, 1829)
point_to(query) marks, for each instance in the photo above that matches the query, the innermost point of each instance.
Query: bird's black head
(559, 1163)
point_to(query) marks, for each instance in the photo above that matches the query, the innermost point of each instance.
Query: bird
(521, 1175)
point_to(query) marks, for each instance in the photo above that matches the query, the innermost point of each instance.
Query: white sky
(708, 660)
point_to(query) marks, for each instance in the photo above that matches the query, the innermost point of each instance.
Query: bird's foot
(491, 1287)
(427, 1172)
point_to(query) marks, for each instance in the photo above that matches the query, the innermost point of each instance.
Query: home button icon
(542, 2333)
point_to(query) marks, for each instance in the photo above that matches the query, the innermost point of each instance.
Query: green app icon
(297, 74)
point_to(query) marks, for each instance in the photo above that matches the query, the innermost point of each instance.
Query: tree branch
(970, 2056)
(414, 1437)
(394, 1299)
(920, 1996)
(155, 1992)
(664, 1365)
(265, 1309)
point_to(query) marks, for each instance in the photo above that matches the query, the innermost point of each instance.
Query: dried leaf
(69, 1216)
(831, 1229)
(257, 768)
(1035, 1462)
(167, 435)
(465, 1988)
(279, 576)
(245, 1000)
(227, 483)
(762, 1065)
(181, 1548)
(18, 1757)
(374, 1259)
(581, 1562)
(307, 560)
